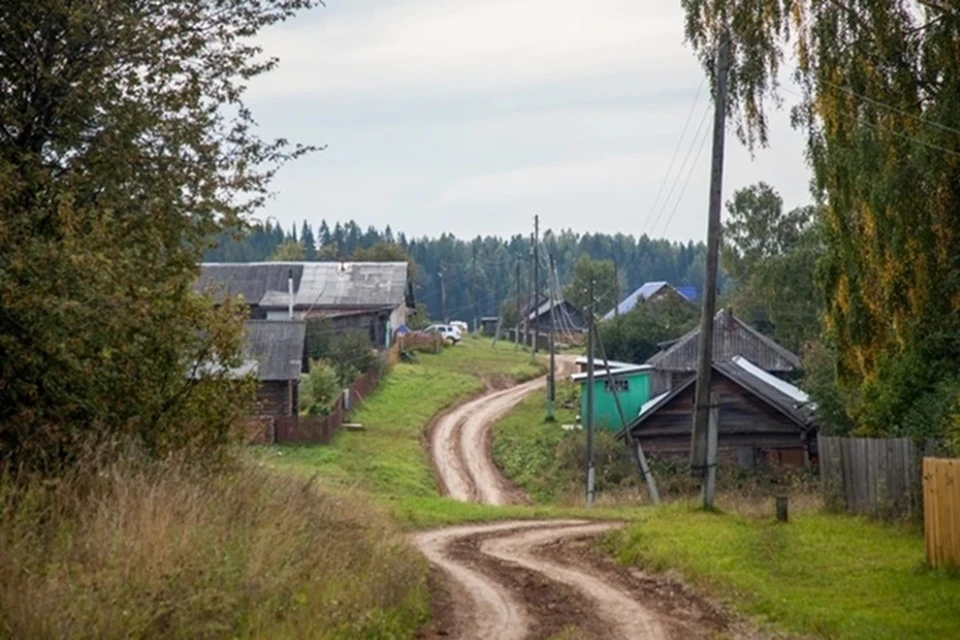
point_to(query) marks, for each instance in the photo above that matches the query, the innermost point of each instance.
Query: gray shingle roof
(277, 346)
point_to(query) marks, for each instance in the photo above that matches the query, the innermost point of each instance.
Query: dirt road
(460, 444)
(537, 579)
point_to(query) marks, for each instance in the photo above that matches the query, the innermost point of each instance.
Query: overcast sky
(472, 116)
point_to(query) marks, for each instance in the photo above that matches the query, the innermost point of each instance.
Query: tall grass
(168, 550)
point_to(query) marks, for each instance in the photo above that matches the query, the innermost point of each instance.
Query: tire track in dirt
(625, 617)
(534, 579)
(460, 445)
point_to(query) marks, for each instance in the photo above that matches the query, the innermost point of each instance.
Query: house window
(620, 385)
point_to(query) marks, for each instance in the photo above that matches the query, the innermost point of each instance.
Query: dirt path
(460, 444)
(536, 579)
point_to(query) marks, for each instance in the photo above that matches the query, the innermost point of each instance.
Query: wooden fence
(879, 477)
(312, 429)
(941, 511)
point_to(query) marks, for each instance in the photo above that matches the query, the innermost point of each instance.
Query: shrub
(319, 388)
(351, 354)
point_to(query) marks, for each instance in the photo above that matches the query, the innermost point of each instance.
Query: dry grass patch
(170, 551)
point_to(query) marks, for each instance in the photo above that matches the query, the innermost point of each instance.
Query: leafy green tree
(289, 251)
(772, 256)
(636, 335)
(604, 285)
(351, 353)
(125, 146)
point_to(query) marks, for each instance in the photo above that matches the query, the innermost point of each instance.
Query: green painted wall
(632, 397)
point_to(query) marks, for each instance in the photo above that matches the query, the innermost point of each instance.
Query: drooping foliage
(880, 82)
(124, 144)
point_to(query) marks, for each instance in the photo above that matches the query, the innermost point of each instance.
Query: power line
(683, 189)
(693, 142)
(676, 151)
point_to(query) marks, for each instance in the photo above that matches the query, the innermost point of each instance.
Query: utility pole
(530, 297)
(616, 289)
(552, 381)
(473, 287)
(636, 451)
(591, 491)
(516, 335)
(536, 281)
(700, 462)
(443, 296)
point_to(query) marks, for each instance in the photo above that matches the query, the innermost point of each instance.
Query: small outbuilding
(630, 382)
(762, 418)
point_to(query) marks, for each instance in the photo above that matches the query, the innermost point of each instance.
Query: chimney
(290, 291)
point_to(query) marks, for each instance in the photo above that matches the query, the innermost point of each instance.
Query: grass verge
(388, 457)
(165, 550)
(822, 575)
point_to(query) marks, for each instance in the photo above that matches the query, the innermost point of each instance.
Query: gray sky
(472, 116)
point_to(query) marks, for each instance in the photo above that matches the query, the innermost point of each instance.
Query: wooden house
(276, 351)
(373, 297)
(731, 337)
(762, 418)
(567, 317)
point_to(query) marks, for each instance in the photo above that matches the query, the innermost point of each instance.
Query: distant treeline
(484, 267)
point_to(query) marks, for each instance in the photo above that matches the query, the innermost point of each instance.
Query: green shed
(632, 384)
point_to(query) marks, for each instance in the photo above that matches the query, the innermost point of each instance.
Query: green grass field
(388, 458)
(525, 446)
(821, 575)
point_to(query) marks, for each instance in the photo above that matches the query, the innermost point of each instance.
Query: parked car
(461, 325)
(446, 331)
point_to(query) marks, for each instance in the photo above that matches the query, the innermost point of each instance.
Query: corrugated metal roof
(315, 284)
(346, 284)
(277, 346)
(731, 337)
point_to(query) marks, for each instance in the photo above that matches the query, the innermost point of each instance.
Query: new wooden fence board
(941, 511)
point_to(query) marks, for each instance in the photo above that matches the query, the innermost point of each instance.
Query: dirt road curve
(514, 580)
(460, 444)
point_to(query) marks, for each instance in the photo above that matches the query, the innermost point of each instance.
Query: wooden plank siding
(273, 398)
(745, 423)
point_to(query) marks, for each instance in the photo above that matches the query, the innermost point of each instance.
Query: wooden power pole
(591, 490)
(616, 289)
(700, 462)
(516, 335)
(536, 282)
(443, 296)
(552, 381)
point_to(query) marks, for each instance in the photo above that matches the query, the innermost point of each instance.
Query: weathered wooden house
(731, 337)
(373, 297)
(762, 418)
(567, 317)
(276, 350)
